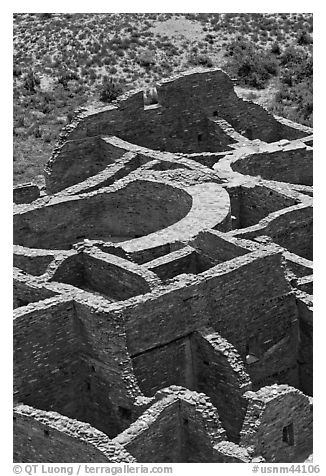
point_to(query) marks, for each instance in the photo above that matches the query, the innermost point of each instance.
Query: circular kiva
(291, 164)
(143, 212)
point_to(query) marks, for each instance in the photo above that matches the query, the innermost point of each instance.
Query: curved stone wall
(289, 164)
(112, 214)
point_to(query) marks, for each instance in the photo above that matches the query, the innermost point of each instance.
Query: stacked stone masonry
(163, 284)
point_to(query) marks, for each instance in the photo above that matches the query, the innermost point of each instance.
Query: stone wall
(305, 350)
(155, 437)
(220, 374)
(111, 388)
(258, 201)
(32, 261)
(185, 260)
(65, 360)
(289, 164)
(253, 283)
(215, 247)
(112, 213)
(48, 437)
(26, 193)
(165, 365)
(180, 426)
(291, 228)
(25, 291)
(114, 277)
(47, 369)
(79, 159)
(278, 424)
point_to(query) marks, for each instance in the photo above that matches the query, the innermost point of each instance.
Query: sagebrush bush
(251, 65)
(146, 58)
(31, 81)
(110, 90)
(200, 60)
(304, 38)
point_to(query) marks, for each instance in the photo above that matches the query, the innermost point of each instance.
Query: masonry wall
(284, 165)
(294, 232)
(256, 202)
(32, 263)
(243, 289)
(41, 437)
(253, 285)
(216, 248)
(275, 349)
(120, 168)
(265, 421)
(25, 292)
(158, 441)
(71, 270)
(163, 366)
(69, 359)
(80, 159)
(200, 430)
(110, 386)
(220, 374)
(47, 368)
(291, 229)
(297, 265)
(139, 208)
(305, 284)
(235, 200)
(305, 351)
(113, 277)
(34, 443)
(26, 193)
(185, 260)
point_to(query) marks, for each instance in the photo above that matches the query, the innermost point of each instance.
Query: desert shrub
(251, 65)
(146, 58)
(275, 49)
(110, 89)
(67, 76)
(200, 60)
(209, 38)
(35, 131)
(20, 121)
(31, 81)
(46, 16)
(17, 71)
(294, 99)
(304, 38)
(92, 74)
(47, 137)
